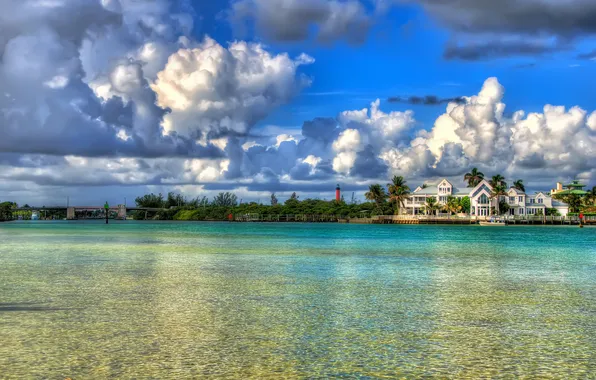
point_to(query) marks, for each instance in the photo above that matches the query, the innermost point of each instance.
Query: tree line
(177, 207)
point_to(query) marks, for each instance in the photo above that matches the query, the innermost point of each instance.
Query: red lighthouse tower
(337, 193)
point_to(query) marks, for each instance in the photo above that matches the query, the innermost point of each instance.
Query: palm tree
(519, 185)
(474, 177)
(590, 198)
(376, 193)
(431, 205)
(399, 197)
(453, 205)
(498, 180)
(398, 192)
(574, 201)
(397, 182)
(498, 190)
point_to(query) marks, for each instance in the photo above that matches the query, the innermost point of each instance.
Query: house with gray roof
(482, 201)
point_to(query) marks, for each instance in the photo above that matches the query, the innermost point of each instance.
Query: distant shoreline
(443, 223)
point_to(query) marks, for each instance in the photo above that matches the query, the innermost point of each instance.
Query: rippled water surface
(194, 300)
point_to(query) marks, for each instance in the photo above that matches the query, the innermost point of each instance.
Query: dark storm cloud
(533, 161)
(324, 129)
(368, 165)
(494, 21)
(294, 20)
(496, 49)
(562, 18)
(30, 160)
(428, 100)
(305, 172)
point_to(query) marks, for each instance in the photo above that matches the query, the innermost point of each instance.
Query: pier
(416, 219)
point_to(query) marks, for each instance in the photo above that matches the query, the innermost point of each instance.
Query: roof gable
(445, 182)
(542, 195)
(483, 182)
(481, 189)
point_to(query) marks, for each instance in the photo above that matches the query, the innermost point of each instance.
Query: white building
(482, 201)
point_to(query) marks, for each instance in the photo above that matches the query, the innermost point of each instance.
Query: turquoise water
(218, 300)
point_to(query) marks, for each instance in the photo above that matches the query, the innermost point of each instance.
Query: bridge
(122, 210)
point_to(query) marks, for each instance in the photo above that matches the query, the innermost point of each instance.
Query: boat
(492, 222)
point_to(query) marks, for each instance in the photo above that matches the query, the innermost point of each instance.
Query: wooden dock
(414, 219)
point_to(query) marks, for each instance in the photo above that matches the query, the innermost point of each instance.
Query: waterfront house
(482, 202)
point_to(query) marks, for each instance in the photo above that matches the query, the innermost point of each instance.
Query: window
(483, 199)
(532, 201)
(511, 199)
(531, 211)
(443, 199)
(540, 200)
(521, 199)
(521, 211)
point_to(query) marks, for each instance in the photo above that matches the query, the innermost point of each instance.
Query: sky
(107, 100)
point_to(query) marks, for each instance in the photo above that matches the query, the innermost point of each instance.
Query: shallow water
(198, 300)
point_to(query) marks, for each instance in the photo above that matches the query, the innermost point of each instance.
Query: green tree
(376, 193)
(292, 201)
(503, 207)
(6, 210)
(474, 177)
(399, 197)
(466, 204)
(574, 201)
(453, 205)
(397, 182)
(398, 192)
(519, 185)
(150, 201)
(197, 203)
(431, 205)
(498, 180)
(226, 199)
(174, 200)
(590, 198)
(499, 190)
(273, 199)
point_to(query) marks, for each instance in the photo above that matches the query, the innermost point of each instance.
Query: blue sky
(404, 56)
(97, 101)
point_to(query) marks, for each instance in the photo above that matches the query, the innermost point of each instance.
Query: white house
(482, 201)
